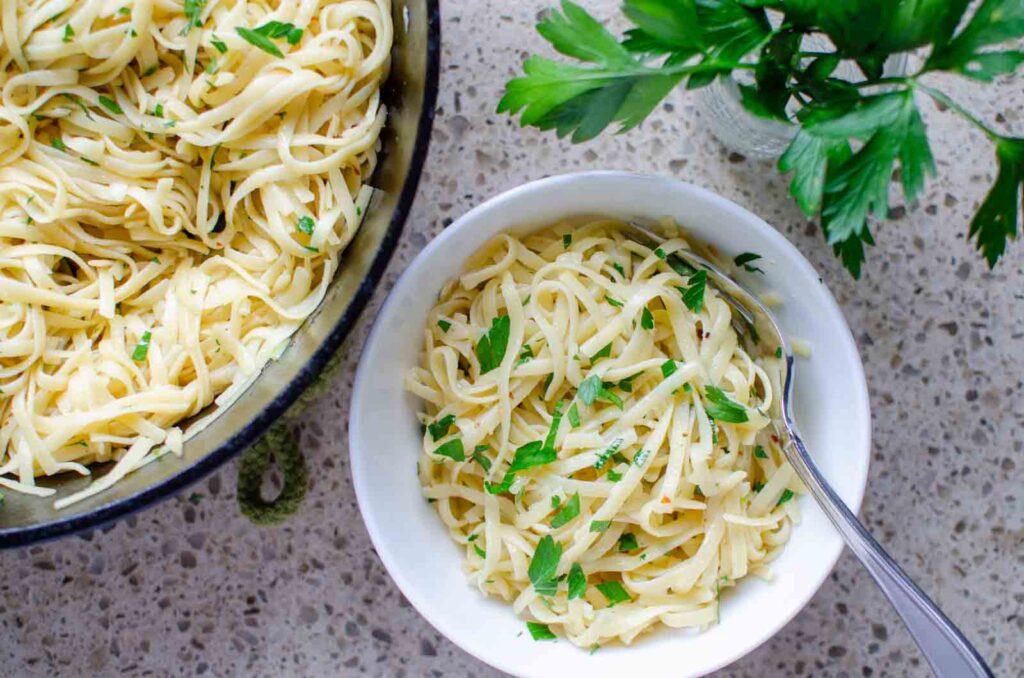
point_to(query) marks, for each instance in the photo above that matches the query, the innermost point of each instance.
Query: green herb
(693, 296)
(479, 551)
(577, 582)
(444, 325)
(556, 421)
(540, 631)
(627, 542)
(668, 368)
(87, 161)
(568, 512)
(155, 260)
(760, 453)
(490, 350)
(306, 224)
(544, 566)
(530, 455)
(614, 302)
(851, 136)
(722, 408)
(641, 457)
(150, 71)
(603, 458)
(259, 40)
(158, 110)
(193, 9)
(439, 429)
(133, 33)
(452, 449)
(69, 32)
(618, 267)
(219, 45)
(605, 351)
(787, 494)
(472, 538)
(277, 29)
(547, 382)
(778, 352)
(574, 415)
(142, 348)
(647, 319)
(614, 475)
(211, 67)
(123, 11)
(566, 240)
(687, 388)
(478, 457)
(660, 253)
(681, 267)
(758, 487)
(311, 248)
(503, 486)
(525, 355)
(743, 261)
(614, 592)
(556, 501)
(589, 388)
(58, 143)
(600, 525)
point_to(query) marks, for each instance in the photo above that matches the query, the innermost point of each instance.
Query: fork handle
(947, 650)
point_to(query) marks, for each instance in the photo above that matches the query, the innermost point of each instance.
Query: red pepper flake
(775, 438)
(666, 500)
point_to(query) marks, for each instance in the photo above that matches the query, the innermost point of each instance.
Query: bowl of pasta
(565, 455)
(196, 202)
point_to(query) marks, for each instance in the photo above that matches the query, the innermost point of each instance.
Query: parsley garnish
(540, 631)
(574, 415)
(787, 494)
(614, 592)
(439, 429)
(614, 302)
(618, 267)
(760, 453)
(646, 319)
(600, 525)
(603, 458)
(660, 253)
(219, 45)
(778, 352)
(525, 355)
(627, 542)
(444, 325)
(743, 261)
(503, 486)
(306, 224)
(58, 143)
(490, 350)
(722, 408)
(758, 487)
(641, 457)
(69, 33)
(566, 240)
(693, 296)
(142, 348)
(592, 388)
(478, 457)
(277, 29)
(193, 8)
(577, 582)
(668, 368)
(479, 551)
(556, 421)
(259, 40)
(452, 449)
(530, 455)
(544, 565)
(614, 475)
(568, 512)
(605, 351)
(556, 501)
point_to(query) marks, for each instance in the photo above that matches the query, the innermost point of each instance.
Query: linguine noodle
(596, 438)
(178, 180)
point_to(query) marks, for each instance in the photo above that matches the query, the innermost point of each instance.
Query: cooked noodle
(177, 183)
(674, 506)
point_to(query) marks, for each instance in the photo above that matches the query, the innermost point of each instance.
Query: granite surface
(190, 587)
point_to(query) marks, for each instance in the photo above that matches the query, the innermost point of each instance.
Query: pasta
(597, 440)
(178, 180)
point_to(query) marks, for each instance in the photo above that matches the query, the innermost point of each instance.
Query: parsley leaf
(503, 486)
(603, 458)
(589, 388)
(574, 415)
(193, 8)
(530, 455)
(693, 296)
(490, 350)
(760, 453)
(439, 429)
(259, 40)
(668, 368)
(306, 224)
(568, 512)
(996, 21)
(996, 220)
(69, 33)
(600, 525)
(444, 325)
(544, 565)
(614, 592)
(577, 582)
(787, 494)
(604, 352)
(452, 449)
(540, 631)
(722, 408)
(142, 348)
(628, 542)
(110, 105)
(478, 457)
(646, 319)
(743, 260)
(556, 421)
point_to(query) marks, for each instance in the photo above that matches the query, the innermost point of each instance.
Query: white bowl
(384, 438)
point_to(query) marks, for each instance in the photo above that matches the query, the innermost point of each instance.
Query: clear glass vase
(739, 130)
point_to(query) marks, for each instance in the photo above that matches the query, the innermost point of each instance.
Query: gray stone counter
(191, 588)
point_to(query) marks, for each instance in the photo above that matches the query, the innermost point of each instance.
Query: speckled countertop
(191, 588)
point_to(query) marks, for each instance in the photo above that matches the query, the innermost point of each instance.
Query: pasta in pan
(177, 183)
(597, 440)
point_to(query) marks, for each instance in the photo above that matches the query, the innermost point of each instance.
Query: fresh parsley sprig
(852, 136)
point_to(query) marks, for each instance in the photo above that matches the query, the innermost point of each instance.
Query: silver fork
(941, 642)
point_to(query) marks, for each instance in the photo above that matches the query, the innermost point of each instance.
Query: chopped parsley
(568, 512)
(603, 458)
(142, 348)
(660, 253)
(444, 325)
(600, 525)
(614, 302)
(556, 421)
(668, 368)
(58, 143)
(219, 45)
(124, 11)
(614, 475)
(605, 352)
(540, 631)
(544, 565)
(743, 261)
(627, 383)
(778, 352)
(787, 494)
(556, 501)
(530, 455)
(758, 487)
(641, 457)
(193, 8)
(158, 110)
(150, 71)
(306, 224)
(760, 453)
(574, 415)
(503, 486)
(479, 551)
(592, 388)
(525, 355)
(614, 592)
(478, 457)
(577, 582)
(490, 350)
(452, 449)
(259, 40)
(278, 29)
(693, 296)
(566, 240)
(722, 408)
(439, 429)
(687, 388)
(69, 33)
(627, 542)
(618, 267)
(647, 319)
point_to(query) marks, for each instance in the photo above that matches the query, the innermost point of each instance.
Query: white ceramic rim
(507, 200)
